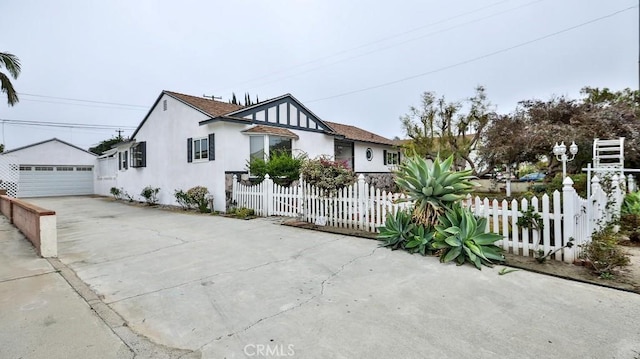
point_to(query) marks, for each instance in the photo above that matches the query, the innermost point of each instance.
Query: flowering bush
(198, 196)
(325, 173)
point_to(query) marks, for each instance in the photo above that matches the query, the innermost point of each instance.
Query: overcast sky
(356, 62)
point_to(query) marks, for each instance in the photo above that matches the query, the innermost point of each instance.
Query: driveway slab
(41, 315)
(232, 288)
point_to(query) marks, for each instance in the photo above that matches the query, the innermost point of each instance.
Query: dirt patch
(627, 278)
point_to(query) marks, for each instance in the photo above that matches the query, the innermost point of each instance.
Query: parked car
(532, 177)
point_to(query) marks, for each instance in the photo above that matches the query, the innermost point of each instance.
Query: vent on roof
(164, 105)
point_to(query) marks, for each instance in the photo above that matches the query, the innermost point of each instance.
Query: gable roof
(206, 106)
(45, 141)
(212, 108)
(357, 134)
(222, 111)
(240, 115)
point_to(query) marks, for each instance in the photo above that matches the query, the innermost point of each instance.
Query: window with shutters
(200, 149)
(139, 155)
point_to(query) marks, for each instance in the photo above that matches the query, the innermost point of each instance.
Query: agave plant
(434, 189)
(462, 237)
(397, 230)
(421, 241)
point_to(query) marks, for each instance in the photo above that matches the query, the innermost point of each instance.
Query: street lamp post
(560, 151)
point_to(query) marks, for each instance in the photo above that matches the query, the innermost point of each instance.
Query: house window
(200, 149)
(25, 168)
(64, 169)
(344, 153)
(43, 168)
(391, 158)
(123, 164)
(83, 169)
(275, 144)
(369, 154)
(139, 155)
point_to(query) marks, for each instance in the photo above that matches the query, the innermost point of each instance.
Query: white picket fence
(563, 216)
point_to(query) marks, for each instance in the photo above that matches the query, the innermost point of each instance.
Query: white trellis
(9, 175)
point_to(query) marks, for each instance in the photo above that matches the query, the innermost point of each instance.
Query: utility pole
(119, 131)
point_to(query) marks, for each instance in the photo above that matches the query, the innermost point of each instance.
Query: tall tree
(106, 145)
(529, 133)
(12, 64)
(441, 127)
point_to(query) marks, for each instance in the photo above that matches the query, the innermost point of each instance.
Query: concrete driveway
(227, 288)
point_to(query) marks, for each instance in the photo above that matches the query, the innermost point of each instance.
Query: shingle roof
(261, 129)
(211, 107)
(358, 134)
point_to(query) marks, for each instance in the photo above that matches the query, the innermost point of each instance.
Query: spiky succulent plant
(434, 188)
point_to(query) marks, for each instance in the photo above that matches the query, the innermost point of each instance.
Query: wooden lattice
(9, 175)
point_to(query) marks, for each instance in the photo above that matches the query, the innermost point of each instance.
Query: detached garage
(53, 168)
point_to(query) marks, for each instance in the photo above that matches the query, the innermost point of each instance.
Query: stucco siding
(376, 164)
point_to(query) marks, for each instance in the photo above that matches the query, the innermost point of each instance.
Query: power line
(63, 124)
(364, 45)
(475, 58)
(398, 44)
(84, 105)
(83, 100)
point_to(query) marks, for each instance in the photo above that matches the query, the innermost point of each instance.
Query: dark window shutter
(126, 160)
(119, 160)
(189, 152)
(143, 153)
(212, 146)
(398, 158)
(384, 156)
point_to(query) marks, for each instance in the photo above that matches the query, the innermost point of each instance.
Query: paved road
(227, 288)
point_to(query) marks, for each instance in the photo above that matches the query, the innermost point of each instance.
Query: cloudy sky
(94, 66)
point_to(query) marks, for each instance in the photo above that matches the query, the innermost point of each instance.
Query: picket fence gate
(563, 216)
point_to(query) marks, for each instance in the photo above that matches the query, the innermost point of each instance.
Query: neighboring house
(53, 168)
(186, 141)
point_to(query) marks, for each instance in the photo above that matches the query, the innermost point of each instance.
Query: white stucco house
(186, 141)
(48, 168)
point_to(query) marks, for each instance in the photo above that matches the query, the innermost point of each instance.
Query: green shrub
(243, 212)
(281, 167)
(150, 195)
(183, 199)
(604, 253)
(462, 238)
(579, 183)
(116, 192)
(631, 204)
(198, 198)
(327, 174)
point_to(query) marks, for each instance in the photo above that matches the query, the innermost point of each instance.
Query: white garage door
(46, 180)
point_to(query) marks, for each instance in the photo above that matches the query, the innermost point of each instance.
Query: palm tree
(12, 64)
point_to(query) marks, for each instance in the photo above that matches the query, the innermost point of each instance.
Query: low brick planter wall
(36, 223)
